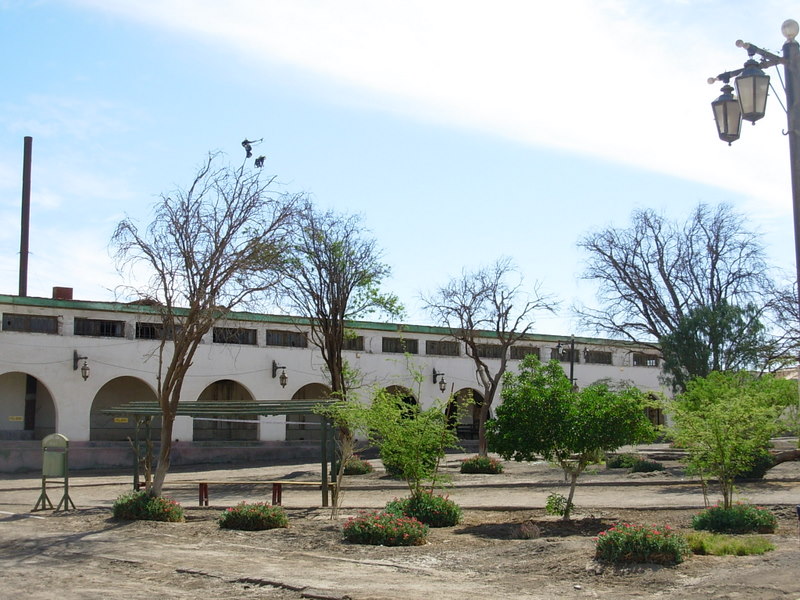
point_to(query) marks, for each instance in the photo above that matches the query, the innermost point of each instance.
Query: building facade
(63, 361)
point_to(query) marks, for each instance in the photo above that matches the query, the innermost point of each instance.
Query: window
(155, 331)
(598, 357)
(234, 335)
(355, 343)
(99, 327)
(490, 350)
(442, 348)
(289, 339)
(563, 355)
(645, 360)
(30, 323)
(400, 345)
(520, 352)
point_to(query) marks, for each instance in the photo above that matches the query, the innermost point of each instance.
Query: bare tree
(209, 249)
(332, 275)
(488, 304)
(654, 274)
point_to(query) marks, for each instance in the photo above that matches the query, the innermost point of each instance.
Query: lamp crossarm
(764, 64)
(768, 56)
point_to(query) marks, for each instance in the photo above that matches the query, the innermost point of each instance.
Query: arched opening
(306, 426)
(225, 428)
(463, 411)
(118, 428)
(405, 396)
(27, 410)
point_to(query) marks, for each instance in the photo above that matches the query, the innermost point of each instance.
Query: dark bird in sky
(248, 146)
(260, 161)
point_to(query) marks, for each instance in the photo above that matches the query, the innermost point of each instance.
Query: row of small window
(295, 339)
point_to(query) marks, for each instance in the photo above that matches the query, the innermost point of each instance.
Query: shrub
(253, 517)
(621, 461)
(355, 466)
(141, 506)
(557, 505)
(386, 529)
(482, 464)
(627, 543)
(762, 462)
(428, 508)
(739, 518)
(703, 542)
(646, 466)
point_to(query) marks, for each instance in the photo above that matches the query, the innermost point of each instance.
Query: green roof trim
(396, 328)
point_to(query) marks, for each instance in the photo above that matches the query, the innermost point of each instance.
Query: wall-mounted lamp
(440, 376)
(84, 367)
(284, 379)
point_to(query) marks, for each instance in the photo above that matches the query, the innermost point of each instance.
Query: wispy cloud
(620, 80)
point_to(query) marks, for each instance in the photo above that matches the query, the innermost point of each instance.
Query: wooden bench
(277, 488)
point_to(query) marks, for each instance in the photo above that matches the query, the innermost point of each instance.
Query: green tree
(725, 421)
(725, 337)
(542, 414)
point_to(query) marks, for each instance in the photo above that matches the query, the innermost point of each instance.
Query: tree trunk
(573, 481)
(163, 455)
(483, 416)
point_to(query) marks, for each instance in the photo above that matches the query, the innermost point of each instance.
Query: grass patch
(717, 544)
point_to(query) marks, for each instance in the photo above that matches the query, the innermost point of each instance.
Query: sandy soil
(494, 553)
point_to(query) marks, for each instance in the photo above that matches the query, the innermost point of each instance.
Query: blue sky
(462, 131)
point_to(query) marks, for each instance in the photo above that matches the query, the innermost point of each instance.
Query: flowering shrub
(428, 508)
(386, 529)
(557, 505)
(253, 517)
(355, 466)
(482, 464)
(141, 506)
(739, 518)
(627, 543)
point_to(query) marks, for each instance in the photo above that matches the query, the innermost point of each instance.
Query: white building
(45, 343)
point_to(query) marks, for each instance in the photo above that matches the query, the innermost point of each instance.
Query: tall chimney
(26, 216)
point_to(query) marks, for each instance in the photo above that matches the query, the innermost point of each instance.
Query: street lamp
(752, 85)
(559, 348)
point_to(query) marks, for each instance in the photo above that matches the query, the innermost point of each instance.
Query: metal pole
(791, 52)
(791, 69)
(26, 215)
(572, 361)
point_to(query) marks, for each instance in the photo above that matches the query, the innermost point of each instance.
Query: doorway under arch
(116, 428)
(306, 426)
(225, 428)
(463, 411)
(27, 409)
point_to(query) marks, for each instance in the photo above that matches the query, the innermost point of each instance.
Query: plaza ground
(505, 548)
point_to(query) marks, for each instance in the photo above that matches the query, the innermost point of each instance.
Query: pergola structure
(141, 410)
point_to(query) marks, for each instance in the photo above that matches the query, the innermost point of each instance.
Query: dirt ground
(506, 547)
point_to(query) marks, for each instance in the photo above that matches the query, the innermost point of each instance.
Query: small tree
(542, 414)
(489, 299)
(208, 250)
(725, 421)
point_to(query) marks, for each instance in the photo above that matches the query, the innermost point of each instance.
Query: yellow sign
(16, 419)
(120, 419)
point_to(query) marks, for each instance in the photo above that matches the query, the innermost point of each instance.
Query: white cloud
(620, 80)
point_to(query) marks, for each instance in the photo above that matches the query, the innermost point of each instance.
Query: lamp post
(559, 347)
(752, 85)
